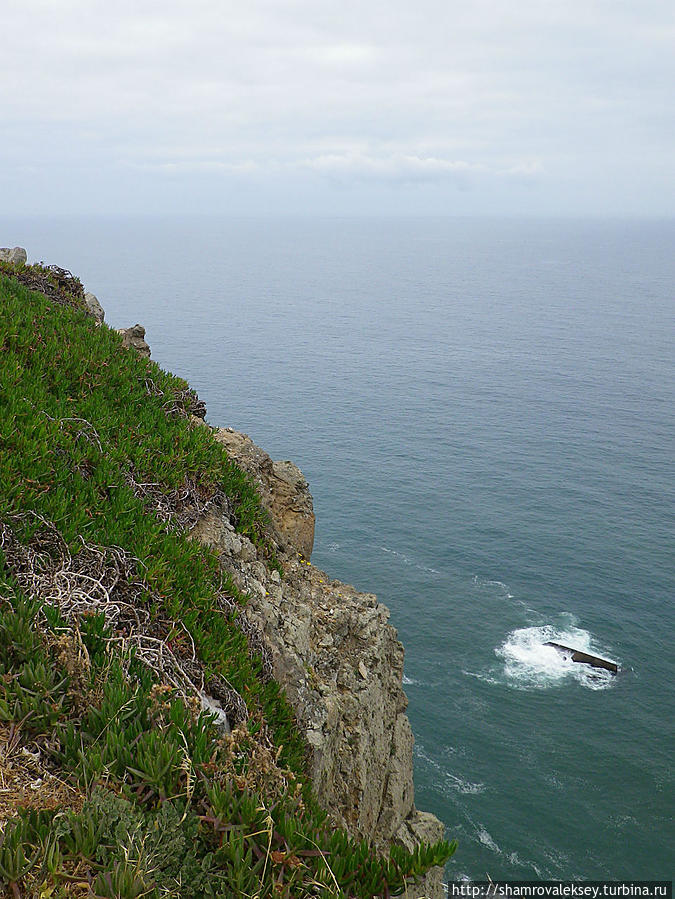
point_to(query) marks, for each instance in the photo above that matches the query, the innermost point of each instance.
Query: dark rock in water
(578, 656)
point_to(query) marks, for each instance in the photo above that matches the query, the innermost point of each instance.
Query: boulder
(95, 307)
(134, 338)
(16, 255)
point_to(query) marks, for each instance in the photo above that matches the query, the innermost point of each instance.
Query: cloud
(413, 168)
(343, 56)
(396, 167)
(570, 96)
(244, 167)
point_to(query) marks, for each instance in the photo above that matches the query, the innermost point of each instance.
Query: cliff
(330, 647)
(337, 657)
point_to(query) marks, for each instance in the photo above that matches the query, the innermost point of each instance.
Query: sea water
(484, 411)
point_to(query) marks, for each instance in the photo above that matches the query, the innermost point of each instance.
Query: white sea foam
(406, 561)
(493, 586)
(487, 840)
(448, 781)
(517, 861)
(414, 682)
(465, 786)
(480, 833)
(489, 678)
(530, 663)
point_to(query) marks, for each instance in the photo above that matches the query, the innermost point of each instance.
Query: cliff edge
(338, 659)
(152, 566)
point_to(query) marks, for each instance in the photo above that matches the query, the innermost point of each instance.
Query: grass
(83, 423)
(57, 371)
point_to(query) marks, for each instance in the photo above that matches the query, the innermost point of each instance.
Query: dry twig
(58, 284)
(180, 508)
(179, 403)
(103, 580)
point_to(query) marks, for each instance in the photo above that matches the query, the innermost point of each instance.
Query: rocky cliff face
(132, 338)
(338, 659)
(282, 488)
(332, 647)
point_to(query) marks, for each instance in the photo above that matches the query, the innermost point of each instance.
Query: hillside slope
(136, 692)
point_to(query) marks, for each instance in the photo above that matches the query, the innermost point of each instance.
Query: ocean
(484, 411)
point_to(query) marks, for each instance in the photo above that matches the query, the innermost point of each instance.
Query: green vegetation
(131, 789)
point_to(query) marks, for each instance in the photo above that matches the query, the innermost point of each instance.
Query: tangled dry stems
(256, 641)
(103, 580)
(262, 775)
(181, 403)
(85, 429)
(55, 283)
(182, 508)
(27, 776)
(185, 403)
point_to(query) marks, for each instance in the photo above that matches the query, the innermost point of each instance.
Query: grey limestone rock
(134, 338)
(423, 827)
(15, 255)
(94, 307)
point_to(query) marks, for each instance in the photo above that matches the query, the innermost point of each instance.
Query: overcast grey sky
(336, 106)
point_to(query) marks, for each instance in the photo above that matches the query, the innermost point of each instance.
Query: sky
(505, 107)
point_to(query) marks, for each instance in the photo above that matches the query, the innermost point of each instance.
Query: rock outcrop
(95, 307)
(340, 663)
(134, 338)
(15, 255)
(282, 487)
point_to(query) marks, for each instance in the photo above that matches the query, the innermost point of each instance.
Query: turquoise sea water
(484, 410)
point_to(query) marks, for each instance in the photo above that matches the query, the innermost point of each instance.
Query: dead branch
(88, 432)
(53, 282)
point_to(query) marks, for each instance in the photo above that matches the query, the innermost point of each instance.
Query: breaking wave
(492, 586)
(529, 663)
